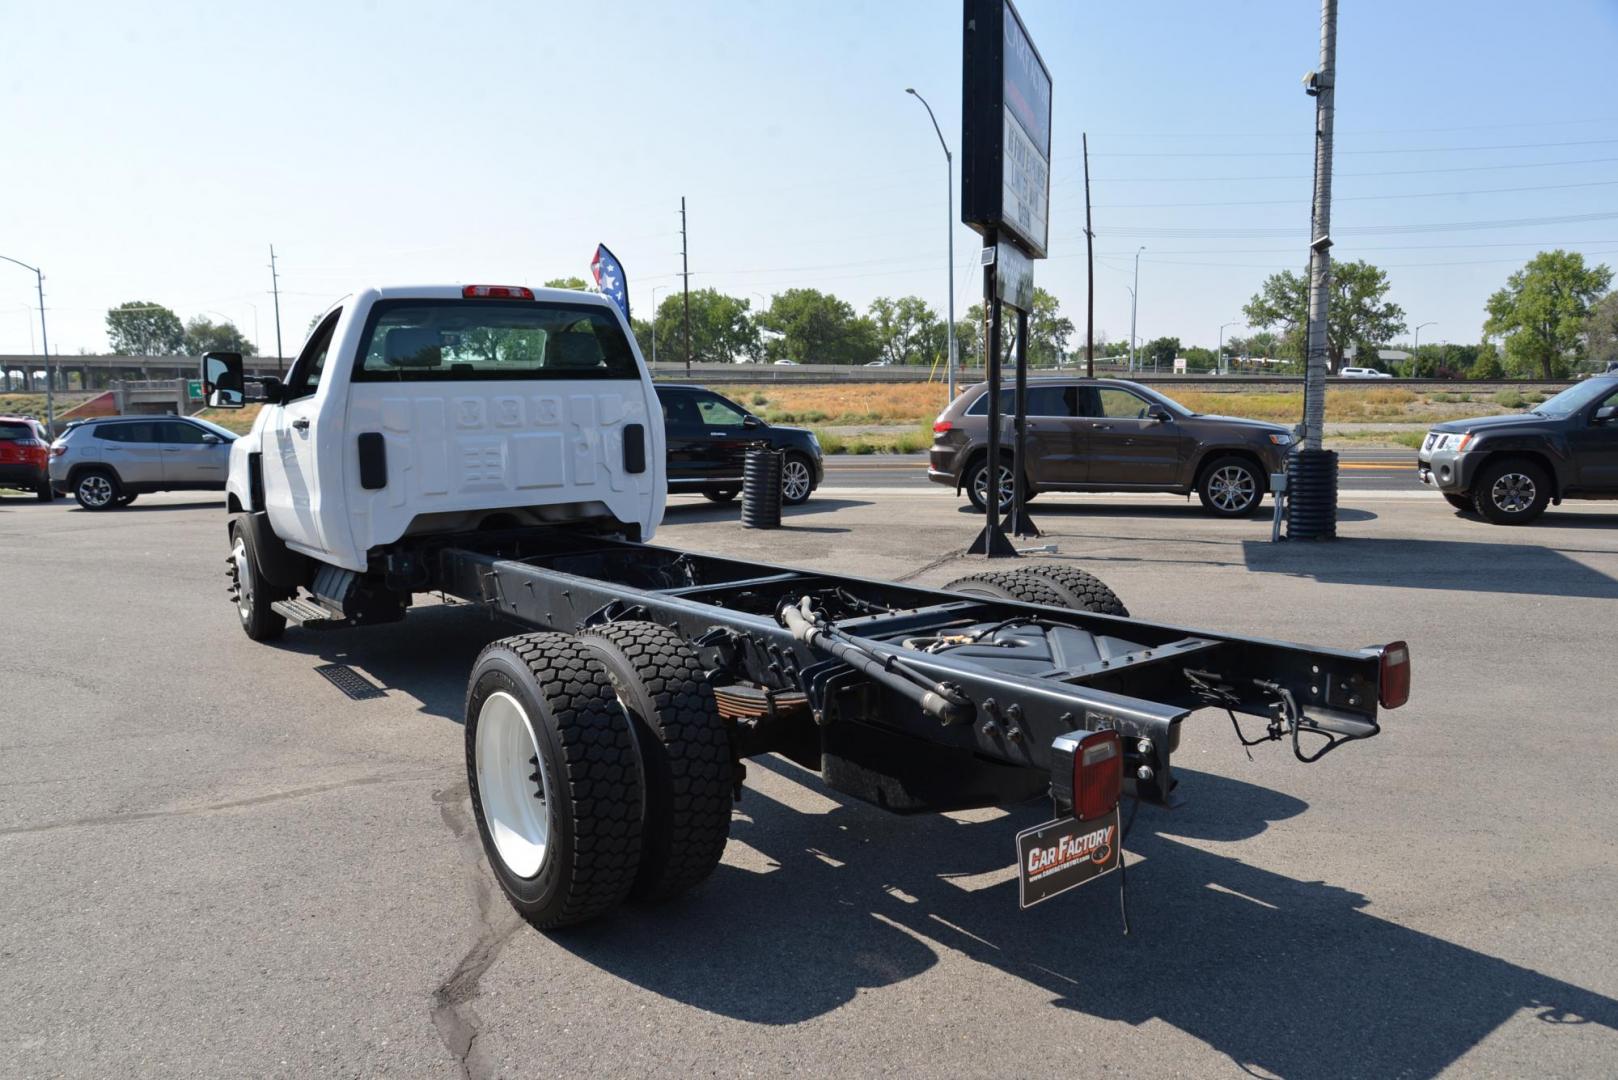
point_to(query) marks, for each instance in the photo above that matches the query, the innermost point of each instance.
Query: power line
(1340, 175)
(1261, 232)
(1399, 150)
(1362, 198)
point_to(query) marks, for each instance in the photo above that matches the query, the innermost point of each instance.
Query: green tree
(204, 335)
(643, 335)
(1541, 312)
(1359, 315)
(1160, 353)
(818, 328)
(142, 328)
(1048, 331)
(577, 284)
(1601, 331)
(722, 328)
(907, 330)
(1487, 365)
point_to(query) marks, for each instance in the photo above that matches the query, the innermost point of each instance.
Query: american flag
(609, 277)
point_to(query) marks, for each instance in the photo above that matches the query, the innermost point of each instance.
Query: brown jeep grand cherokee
(1110, 435)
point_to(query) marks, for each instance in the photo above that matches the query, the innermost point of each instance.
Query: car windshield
(1575, 398)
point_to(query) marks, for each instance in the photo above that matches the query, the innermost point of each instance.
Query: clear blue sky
(154, 151)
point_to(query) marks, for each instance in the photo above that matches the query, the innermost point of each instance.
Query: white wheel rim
(1231, 488)
(512, 785)
(795, 479)
(244, 579)
(96, 491)
(1513, 492)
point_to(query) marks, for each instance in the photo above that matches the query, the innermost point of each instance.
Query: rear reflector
(1394, 685)
(942, 426)
(1097, 772)
(497, 292)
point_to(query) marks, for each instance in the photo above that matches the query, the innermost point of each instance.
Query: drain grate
(351, 682)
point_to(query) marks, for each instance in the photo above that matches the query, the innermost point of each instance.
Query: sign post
(1005, 196)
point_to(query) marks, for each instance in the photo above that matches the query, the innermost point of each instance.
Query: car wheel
(252, 594)
(977, 485)
(43, 491)
(719, 496)
(1511, 492)
(1460, 502)
(1231, 487)
(96, 489)
(797, 480)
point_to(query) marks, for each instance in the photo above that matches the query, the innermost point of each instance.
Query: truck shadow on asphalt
(1292, 977)
(1462, 565)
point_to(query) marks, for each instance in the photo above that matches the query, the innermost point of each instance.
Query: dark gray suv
(1110, 435)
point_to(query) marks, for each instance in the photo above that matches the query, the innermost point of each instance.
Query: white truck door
(292, 488)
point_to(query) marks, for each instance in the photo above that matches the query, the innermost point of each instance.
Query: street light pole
(1415, 350)
(44, 343)
(1219, 353)
(1132, 295)
(949, 184)
(654, 325)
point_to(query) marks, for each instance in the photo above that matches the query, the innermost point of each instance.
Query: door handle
(301, 424)
(1101, 427)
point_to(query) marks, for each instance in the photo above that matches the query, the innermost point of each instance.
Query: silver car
(107, 462)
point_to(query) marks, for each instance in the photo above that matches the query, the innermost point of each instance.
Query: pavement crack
(456, 1021)
(213, 808)
(935, 564)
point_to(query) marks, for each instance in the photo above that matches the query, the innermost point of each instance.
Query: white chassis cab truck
(504, 445)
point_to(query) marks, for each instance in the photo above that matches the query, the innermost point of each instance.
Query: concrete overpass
(26, 374)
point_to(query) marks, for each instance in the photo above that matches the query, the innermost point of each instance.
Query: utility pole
(1090, 274)
(1134, 296)
(45, 344)
(685, 273)
(275, 287)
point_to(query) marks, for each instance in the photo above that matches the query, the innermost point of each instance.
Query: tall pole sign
(1006, 197)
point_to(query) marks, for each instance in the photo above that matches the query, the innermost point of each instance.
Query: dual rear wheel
(599, 768)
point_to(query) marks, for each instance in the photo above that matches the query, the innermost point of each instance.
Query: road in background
(1362, 470)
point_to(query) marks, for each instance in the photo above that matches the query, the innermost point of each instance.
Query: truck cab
(414, 410)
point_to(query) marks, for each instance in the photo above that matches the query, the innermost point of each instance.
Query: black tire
(1463, 503)
(1008, 585)
(720, 496)
(1511, 491)
(797, 479)
(974, 479)
(686, 764)
(43, 490)
(249, 592)
(586, 775)
(97, 489)
(1231, 487)
(1082, 590)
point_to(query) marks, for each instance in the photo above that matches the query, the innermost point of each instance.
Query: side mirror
(1159, 414)
(212, 440)
(222, 382)
(751, 421)
(1606, 414)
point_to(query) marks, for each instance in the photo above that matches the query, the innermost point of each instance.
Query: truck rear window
(448, 340)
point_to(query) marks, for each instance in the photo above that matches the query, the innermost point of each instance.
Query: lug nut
(1144, 747)
(1144, 774)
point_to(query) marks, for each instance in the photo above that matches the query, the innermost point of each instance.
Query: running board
(309, 615)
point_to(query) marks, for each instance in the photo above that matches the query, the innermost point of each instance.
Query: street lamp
(949, 186)
(44, 341)
(1132, 293)
(654, 324)
(1219, 353)
(1415, 359)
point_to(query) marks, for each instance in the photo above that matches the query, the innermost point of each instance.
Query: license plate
(1064, 854)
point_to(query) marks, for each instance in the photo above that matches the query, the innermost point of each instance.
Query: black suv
(1507, 468)
(709, 436)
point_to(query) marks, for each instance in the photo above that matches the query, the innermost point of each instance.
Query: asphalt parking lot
(214, 863)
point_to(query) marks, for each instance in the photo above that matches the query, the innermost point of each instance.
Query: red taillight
(941, 426)
(1394, 685)
(58, 451)
(497, 292)
(1098, 765)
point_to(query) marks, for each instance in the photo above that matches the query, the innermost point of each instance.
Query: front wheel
(252, 593)
(719, 496)
(554, 778)
(1511, 492)
(1231, 487)
(797, 480)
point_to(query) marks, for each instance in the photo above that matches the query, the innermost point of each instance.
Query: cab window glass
(172, 431)
(477, 339)
(678, 409)
(717, 412)
(1115, 404)
(1042, 401)
(311, 363)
